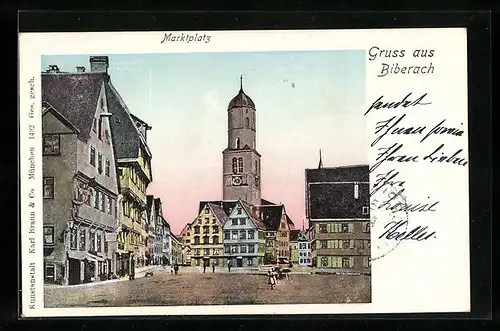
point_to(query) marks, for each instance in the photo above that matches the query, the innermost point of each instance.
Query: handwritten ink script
(404, 136)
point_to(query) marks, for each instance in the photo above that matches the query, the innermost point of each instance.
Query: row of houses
(338, 235)
(98, 221)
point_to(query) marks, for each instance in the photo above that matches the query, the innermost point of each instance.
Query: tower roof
(241, 99)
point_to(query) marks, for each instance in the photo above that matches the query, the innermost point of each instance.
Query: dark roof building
(330, 192)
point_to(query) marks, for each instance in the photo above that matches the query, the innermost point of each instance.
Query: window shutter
(351, 227)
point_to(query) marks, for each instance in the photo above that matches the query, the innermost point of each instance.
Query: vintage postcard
(244, 172)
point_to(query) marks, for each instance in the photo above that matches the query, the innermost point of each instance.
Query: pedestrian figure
(213, 268)
(172, 269)
(229, 266)
(176, 268)
(204, 267)
(271, 279)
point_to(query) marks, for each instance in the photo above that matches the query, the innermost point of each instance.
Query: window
(103, 202)
(239, 210)
(243, 249)
(206, 230)
(227, 249)
(105, 246)
(242, 221)
(106, 169)
(247, 122)
(249, 260)
(109, 205)
(356, 191)
(51, 144)
(197, 230)
(207, 220)
(366, 244)
(250, 234)
(216, 251)
(345, 244)
(234, 221)
(92, 242)
(256, 166)
(99, 163)
(94, 125)
(322, 228)
(50, 272)
(234, 249)
(323, 244)
(365, 210)
(227, 235)
(81, 243)
(206, 251)
(346, 262)
(235, 165)
(48, 187)
(196, 240)
(99, 128)
(345, 227)
(197, 252)
(206, 240)
(48, 235)
(237, 143)
(240, 165)
(324, 262)
(251, 248)
(98, 242)
(215, 240)
(92, 155)
(366, 262)
(234, 235)
(215, 229)
(95, 197)
(73, 238)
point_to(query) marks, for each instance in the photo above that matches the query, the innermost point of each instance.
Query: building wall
(304, 253)
(271, 248)
(57, 210)
(335, 240)
(237, 245)
(283, 238)
(294, 252)
(206, 240)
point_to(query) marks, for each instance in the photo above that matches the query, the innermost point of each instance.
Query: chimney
(99, 64)
(53, 68)
(80, 69)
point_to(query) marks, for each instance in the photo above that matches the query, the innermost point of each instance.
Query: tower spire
(241, 83)
(320, 165)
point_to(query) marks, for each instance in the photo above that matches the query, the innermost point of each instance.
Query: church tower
(241, 161)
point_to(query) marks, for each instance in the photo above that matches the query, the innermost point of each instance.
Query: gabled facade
(244, 236)
(185, 237)
(152, 231)
(79, 181)
(176, 250)
(206, 240)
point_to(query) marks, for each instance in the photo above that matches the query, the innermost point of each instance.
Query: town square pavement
(193, 287)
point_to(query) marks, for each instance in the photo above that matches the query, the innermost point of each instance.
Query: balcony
(129, 187)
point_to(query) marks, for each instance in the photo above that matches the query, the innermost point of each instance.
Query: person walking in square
(229, 266)
(213, 268)
(204, 267)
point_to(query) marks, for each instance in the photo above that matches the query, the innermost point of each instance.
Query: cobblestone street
(192, 288)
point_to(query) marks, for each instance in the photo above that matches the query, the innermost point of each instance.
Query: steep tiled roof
(75, 96)
(126, 137)
(219, 213)
(290, 222)
(252, 212)
(265, 202)
(271, 216)
(294, 235)
(226, 205)
(359, 173)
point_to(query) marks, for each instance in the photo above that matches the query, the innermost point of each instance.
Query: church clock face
(236, 180)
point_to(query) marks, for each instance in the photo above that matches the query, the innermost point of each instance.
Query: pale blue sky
(184, 97)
